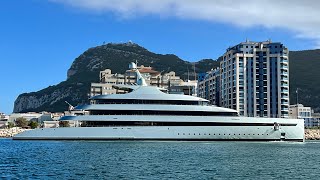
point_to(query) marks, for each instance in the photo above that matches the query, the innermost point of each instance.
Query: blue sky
(40, 39)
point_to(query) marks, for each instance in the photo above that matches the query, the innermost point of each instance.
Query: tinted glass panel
(139, 101)
(150, 112)
(153, 123)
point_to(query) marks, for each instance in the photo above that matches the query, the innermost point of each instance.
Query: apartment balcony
(284, 61)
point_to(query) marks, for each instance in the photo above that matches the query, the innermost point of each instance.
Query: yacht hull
(167, 133)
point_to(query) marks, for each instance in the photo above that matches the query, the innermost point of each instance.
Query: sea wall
(5, 133)
(312, 134)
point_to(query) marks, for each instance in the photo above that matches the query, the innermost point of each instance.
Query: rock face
(50, 99)
(304, 75)
(85, 69)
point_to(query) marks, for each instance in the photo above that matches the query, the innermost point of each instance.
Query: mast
(140, 80)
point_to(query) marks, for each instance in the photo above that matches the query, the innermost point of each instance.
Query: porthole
(209, 134)
(239, 134)
(183, 133)
(229, 134)
(189, 134)
(194, 133)
(219, 134)
(214, 134)
(253, 134)
(234, 134)
(258, 134)
(205, 134)
(178, 133)
(199, 134)
(224, 134)
(267, 134)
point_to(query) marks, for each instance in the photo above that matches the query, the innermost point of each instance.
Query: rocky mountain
(85, 69)
(304, 75)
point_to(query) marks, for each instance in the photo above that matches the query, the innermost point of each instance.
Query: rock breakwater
(6, 133)
(312, 134)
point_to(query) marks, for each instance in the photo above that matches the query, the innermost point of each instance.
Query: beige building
(311, 119)
(107, 80)
(186, 88)
(3, 117)
(152, 77)
(299, 111)
(29, 116)
(33, 116)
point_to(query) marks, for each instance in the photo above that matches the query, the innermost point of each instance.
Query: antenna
(297, 91)
(188, 72)
(194, 71)
(70, 106)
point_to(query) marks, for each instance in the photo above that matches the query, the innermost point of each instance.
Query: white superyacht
(147, 113)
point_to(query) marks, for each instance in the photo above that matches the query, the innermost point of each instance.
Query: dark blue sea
(158, 160)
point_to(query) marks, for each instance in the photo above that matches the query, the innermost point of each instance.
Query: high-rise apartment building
(209, 86)
(255, 79)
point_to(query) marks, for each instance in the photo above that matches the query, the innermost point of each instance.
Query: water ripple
(157, 160)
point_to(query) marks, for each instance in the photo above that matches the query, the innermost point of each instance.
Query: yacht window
(152, 112)
(143, 101)
(167, 123)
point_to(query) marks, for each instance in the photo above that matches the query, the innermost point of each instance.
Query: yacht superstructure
(147, 113)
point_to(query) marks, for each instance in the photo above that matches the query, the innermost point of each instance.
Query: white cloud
(298, 16)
